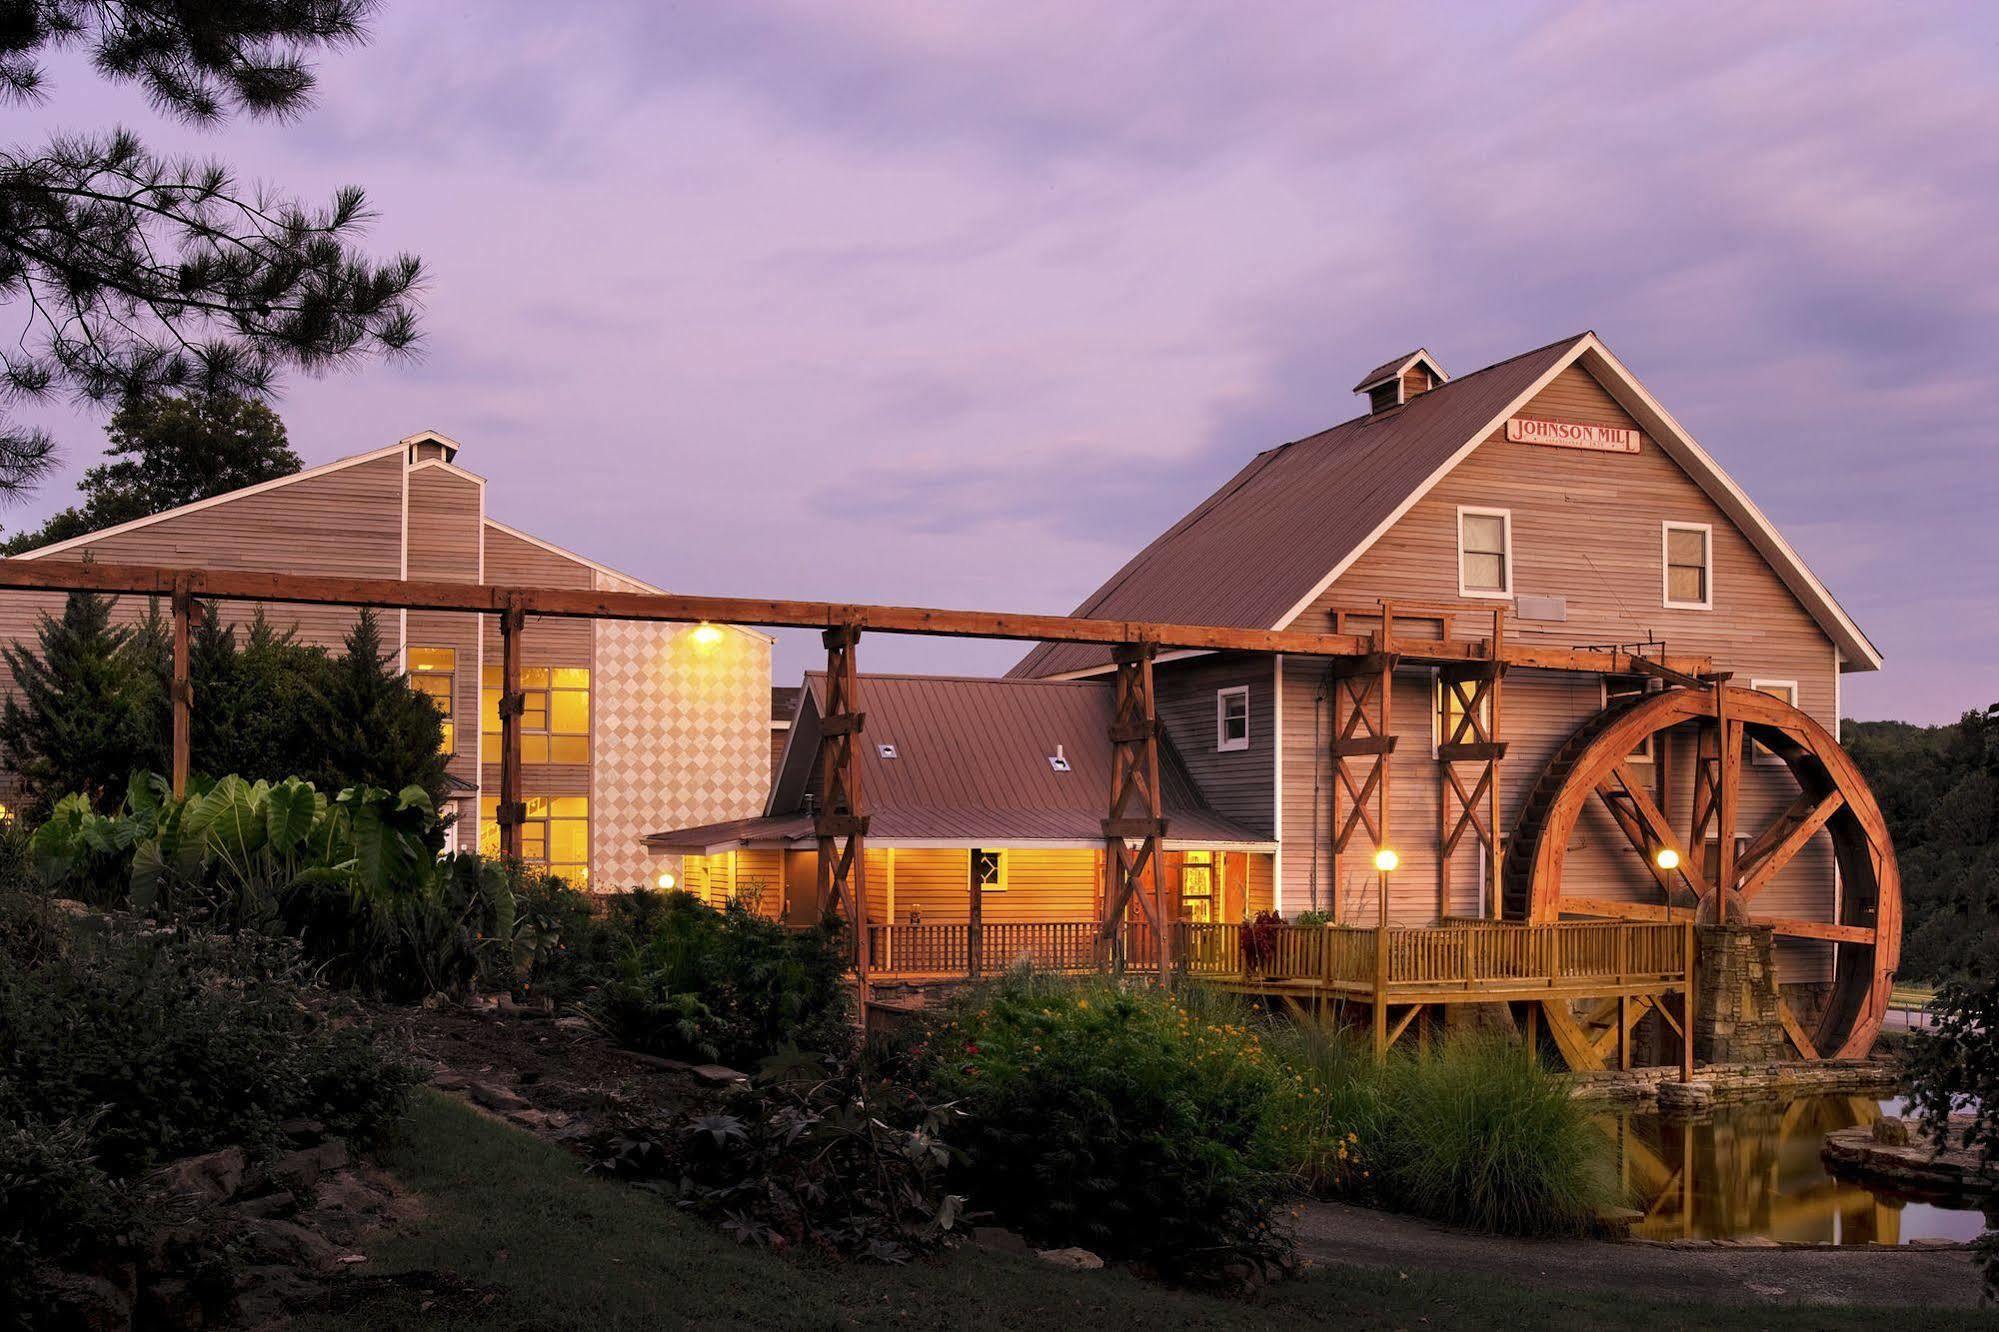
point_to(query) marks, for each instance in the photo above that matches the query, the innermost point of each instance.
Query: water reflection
(1755, 1170)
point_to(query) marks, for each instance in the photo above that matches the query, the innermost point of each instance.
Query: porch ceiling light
(707, 635)
(1667, 858)
(1386, 860)
(666, 881)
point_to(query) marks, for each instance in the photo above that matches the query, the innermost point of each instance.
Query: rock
(999, 1239)
(289, 1244)
(300, 1170)
(500, 1100)
(215, 1177)
(280, 1203)
(303, 1132)
(1891, 1131)
(1082, 1260)
(574, 1024)
(87, 1302)
(718, 1074)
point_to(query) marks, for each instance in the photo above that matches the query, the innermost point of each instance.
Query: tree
(143, 274)
(373, 727)
(167, 451)
(85, 709)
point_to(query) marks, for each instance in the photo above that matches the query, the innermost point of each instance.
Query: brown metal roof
(1256, 547)
(710, 837)
(971, 765)
(783, 702)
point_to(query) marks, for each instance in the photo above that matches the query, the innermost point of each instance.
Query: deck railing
(1468, 955)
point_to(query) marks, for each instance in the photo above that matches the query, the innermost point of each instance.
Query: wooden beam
(1795, 1029)
(1570, 1039)
(1603, 906)
(181, 688)
(55, 575)
(512, 811)
(1764, 865)
(1818, 929)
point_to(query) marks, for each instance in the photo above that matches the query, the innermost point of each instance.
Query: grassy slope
(568, 1251)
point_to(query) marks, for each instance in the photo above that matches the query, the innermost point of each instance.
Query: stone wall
(1735, 1000)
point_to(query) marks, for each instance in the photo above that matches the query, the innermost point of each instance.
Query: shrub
(724, 984)
(1478, 1136)
(167, 1045)
(813, 1153)
(56, 1206)
(1109, 1117)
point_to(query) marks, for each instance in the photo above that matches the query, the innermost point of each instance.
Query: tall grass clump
(1478, 1136)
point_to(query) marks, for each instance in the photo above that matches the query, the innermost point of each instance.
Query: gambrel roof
(1263, 547)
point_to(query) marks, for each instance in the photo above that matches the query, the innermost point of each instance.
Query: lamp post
(1386, 861)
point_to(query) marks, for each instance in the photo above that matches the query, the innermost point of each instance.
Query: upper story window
(1232, 718)
(1784, 689)
(989, 870)
(1689, 557)
(434, 671)
(1485, 552)
(555, 715)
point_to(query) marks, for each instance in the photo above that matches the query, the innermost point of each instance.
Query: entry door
(1197, 887)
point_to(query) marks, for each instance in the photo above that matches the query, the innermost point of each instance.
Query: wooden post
(1381, 836)
(1687, 1009)
(975, 921)
(512, 812)
(1730, 778)
(841, 823)
(182, 688)
(1495, 841)
(1136, 811)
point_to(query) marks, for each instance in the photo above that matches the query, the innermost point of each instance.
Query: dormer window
(1393, 383)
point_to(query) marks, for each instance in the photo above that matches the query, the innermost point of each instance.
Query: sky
(961, 304)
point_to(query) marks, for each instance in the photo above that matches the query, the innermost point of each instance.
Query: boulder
(500, 1100)
(719, 1074)
(289, 1244)
(1082, 1260)
(214, 1177)
(1891, 1131)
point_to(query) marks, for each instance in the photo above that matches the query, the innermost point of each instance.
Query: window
(989, 870)
(555, 834)
(555, 714)
(1485, 552)
(1689, 560)
(1450, 714)
(1784, 689)
(1232, 719)
(434, 671)
(1197, 887)
(1619, 689)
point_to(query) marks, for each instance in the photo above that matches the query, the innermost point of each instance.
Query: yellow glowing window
(555, 714)
(555, 835)
(433, 671)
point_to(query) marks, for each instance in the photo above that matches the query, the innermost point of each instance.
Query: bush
(167, 1046)
(56, 1206)
(1109, 1117)
(724, 983)
(811, 1153)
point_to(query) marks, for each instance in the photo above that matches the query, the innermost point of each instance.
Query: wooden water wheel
(1713, 727)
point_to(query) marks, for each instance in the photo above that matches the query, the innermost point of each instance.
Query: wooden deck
(1589, 981)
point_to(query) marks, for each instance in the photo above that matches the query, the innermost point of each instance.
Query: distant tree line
(1939, 789)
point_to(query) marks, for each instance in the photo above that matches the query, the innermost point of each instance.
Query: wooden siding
(446, 516)
(1236, 783)
(1586, 527)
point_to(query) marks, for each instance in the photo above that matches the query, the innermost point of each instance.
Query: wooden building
(626, 723)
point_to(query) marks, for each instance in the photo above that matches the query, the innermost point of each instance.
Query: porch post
(512, 811)
(182, 688)
(974, 918)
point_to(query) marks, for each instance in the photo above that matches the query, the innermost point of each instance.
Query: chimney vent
(1393, 383)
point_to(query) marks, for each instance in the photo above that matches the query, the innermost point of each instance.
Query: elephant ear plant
(356, 878)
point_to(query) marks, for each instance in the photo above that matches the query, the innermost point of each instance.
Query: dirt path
(1333, 1233)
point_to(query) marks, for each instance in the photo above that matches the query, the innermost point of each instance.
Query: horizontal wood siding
(446, 516)
(1236, 783)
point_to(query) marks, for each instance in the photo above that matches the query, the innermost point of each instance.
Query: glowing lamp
(666, 881)
(1667, 858)
(707, 635)
(1386, 860)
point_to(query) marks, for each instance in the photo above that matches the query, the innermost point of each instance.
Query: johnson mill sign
(1572, 435)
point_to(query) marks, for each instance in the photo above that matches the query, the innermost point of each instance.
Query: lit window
(1452, 726)
(989, 870)
(1689, 566)
(1232, 718)
(1787, 690)
(1485, 552)
(1197, 887)
(1620, 689)
(555, 714)
(434, 671)
(555, 835)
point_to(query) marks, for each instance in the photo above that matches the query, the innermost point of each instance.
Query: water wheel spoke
(1795, 1029)
(1819, 929)
(1603, 906)
(1649, 832)
(1761, 866)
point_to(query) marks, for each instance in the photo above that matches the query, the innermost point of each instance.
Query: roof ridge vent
(1393, 383)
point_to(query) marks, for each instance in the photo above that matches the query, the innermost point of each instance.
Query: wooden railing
(1464, 955)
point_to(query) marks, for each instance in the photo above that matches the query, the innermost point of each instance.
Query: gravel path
(1334, 1233)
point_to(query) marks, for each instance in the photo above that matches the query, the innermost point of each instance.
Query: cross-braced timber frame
(1363, 690)
(1136, 823)
(840, 822)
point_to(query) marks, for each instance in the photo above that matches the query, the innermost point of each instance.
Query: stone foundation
(1737, 1082)
(1735, 999)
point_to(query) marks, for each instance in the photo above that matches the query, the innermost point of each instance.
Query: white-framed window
(989, 870)
(1618, 689)
(1485, 552)
(1784, 689)
(1687, 551)
(1232, 719)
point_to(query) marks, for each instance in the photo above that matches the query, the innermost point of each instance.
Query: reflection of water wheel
(1863, 917)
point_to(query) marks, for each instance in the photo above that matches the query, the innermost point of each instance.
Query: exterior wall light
(1667, 858)
(1387, 861)
(666, 881)
(707, 635)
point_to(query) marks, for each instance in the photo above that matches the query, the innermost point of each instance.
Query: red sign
(1572, 435)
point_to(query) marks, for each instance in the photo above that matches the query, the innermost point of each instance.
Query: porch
(1589, 982)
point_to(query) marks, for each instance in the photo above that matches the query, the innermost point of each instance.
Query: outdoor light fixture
(1667, 858)
(666, 881)
(707, 635)
(1386, 860)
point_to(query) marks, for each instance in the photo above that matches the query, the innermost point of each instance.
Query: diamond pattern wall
(682, 737)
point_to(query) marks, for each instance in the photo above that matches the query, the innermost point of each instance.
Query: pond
(1754, 1170)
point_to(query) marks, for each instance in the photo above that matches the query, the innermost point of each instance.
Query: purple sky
(959, 304)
